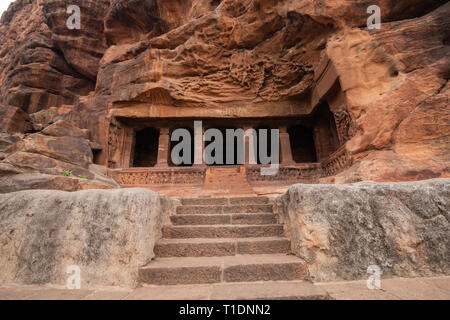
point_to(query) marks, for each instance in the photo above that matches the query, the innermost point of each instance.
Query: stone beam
(147, 110)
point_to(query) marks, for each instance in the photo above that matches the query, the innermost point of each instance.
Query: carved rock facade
(351, 104)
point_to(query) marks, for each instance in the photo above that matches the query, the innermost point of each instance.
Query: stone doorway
(326, 139)
(188, 163)
(232, 154)
(259, 142)
(302, 144)
(146, 148)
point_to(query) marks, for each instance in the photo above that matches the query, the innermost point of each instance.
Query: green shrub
(66, 173)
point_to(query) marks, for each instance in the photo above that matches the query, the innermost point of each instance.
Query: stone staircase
(226, 181)
(223, 240)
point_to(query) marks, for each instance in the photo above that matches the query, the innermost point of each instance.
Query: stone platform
(217, 181)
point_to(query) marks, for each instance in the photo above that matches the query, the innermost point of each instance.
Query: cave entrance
(181, 154)
(326, 138)
(146, 148)
(223, 160)
(302, 144)
(267, 140)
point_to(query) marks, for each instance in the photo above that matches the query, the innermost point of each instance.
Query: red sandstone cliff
(214, 55)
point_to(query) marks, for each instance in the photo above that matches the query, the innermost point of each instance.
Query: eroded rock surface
(222, 57)
(59, 157)
(341, 230)
(396, 83)
(108, 234)
(13, 120)
(41, 65)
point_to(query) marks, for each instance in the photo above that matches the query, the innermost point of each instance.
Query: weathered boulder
(341, 230)
(68, 149)
(63, 128)
(14, 123)
(13, 179)
(108, 234)
(57, 158)
(13, 120)
(44, 118)
(6, 141)
(7, 169)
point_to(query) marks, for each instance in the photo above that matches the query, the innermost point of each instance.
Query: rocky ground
(437, 288)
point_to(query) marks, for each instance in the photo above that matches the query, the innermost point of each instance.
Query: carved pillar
(250, 145)
(318, 143)
(285, 147)
(113, 143)
(127, 148)
(163, 148)
(199, 147)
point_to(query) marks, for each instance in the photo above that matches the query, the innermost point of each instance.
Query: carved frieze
(160, 177)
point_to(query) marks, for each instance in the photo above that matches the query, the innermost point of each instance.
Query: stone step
(224, 201)
(204, 201)
(237, 218)
(222, 231)
(220, 247)
(269, 290)
(189, 270)
(249, 200)
(264, 290)
(218, 209)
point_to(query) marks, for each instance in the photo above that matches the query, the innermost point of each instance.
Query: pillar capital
(164, 131)
(283, 129)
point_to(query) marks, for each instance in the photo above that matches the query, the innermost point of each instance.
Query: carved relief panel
(344, 124)
(120, 145)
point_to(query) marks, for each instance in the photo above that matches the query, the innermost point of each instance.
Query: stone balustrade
(336, 162)
(154, 176)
